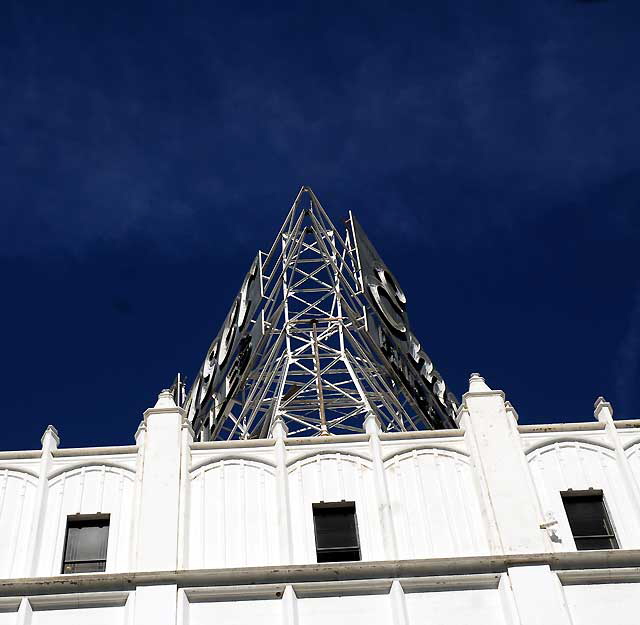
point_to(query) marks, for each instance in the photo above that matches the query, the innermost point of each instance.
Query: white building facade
(319, 471)
(454, 526)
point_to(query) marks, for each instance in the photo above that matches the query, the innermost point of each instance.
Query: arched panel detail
(350, 456)
(212, 463)
(88, 488)
(233, 515)
(547, 445)
(427, 450)
(632, 448)
(331, 476)
(31, 476)
(633, 457)
(575, 464)
(18, 492)
(435, 504)
(69, 471)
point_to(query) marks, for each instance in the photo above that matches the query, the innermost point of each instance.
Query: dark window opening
(336, 532)
(588, 519)
(85, 546)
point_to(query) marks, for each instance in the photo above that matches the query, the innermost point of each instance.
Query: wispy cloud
(440, 128)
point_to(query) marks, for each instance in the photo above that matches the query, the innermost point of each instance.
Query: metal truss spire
(318, 336)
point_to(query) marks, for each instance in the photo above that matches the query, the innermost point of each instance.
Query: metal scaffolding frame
(300, 344)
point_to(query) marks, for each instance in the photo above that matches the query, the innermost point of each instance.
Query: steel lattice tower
(318, 336)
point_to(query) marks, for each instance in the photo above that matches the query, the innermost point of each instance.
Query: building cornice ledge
(95, 451)
(607, 563)
(420, 434)
(326, 440)
(627, 423)
(234, 444)
(561, 427)
(20, 455)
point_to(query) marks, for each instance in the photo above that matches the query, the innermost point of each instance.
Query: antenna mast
(318, 336)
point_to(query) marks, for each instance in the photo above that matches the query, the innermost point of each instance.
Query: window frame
(72, 521)
(608, 523)
(356, 548)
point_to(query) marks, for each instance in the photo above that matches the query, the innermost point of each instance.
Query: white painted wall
(79, 616)
(595, 604)
(579, 465)
(437, 508)
(333, 477)
(456, 606)
(435, 487)
(8, 618)
(372, 609)
(426, 495)
(633, 454)
(584, 604)
(231, 505)
(446, 607)
(18, 492)
(92, 489)
(232, 511)
(235, 612)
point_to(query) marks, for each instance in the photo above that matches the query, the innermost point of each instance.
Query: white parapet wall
(463, 525)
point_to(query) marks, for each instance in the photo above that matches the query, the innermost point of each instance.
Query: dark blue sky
(147, 150)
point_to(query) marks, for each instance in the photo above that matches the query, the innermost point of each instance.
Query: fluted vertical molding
(140, 437)
(186, 438)
(399, 613)
(538, 596)
(389, 542)
(279, 432)
(509, 501)
(157, 540)
(25, 612)
(182, 617)
(603, 412)
(156, 605)
(289, 606)
(50, 441)
(507, 600)
(162, 439)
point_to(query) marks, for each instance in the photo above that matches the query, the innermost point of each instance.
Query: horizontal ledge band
(325, 572)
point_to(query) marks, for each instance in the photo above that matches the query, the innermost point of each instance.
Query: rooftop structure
(376, 511)
(318, 336)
